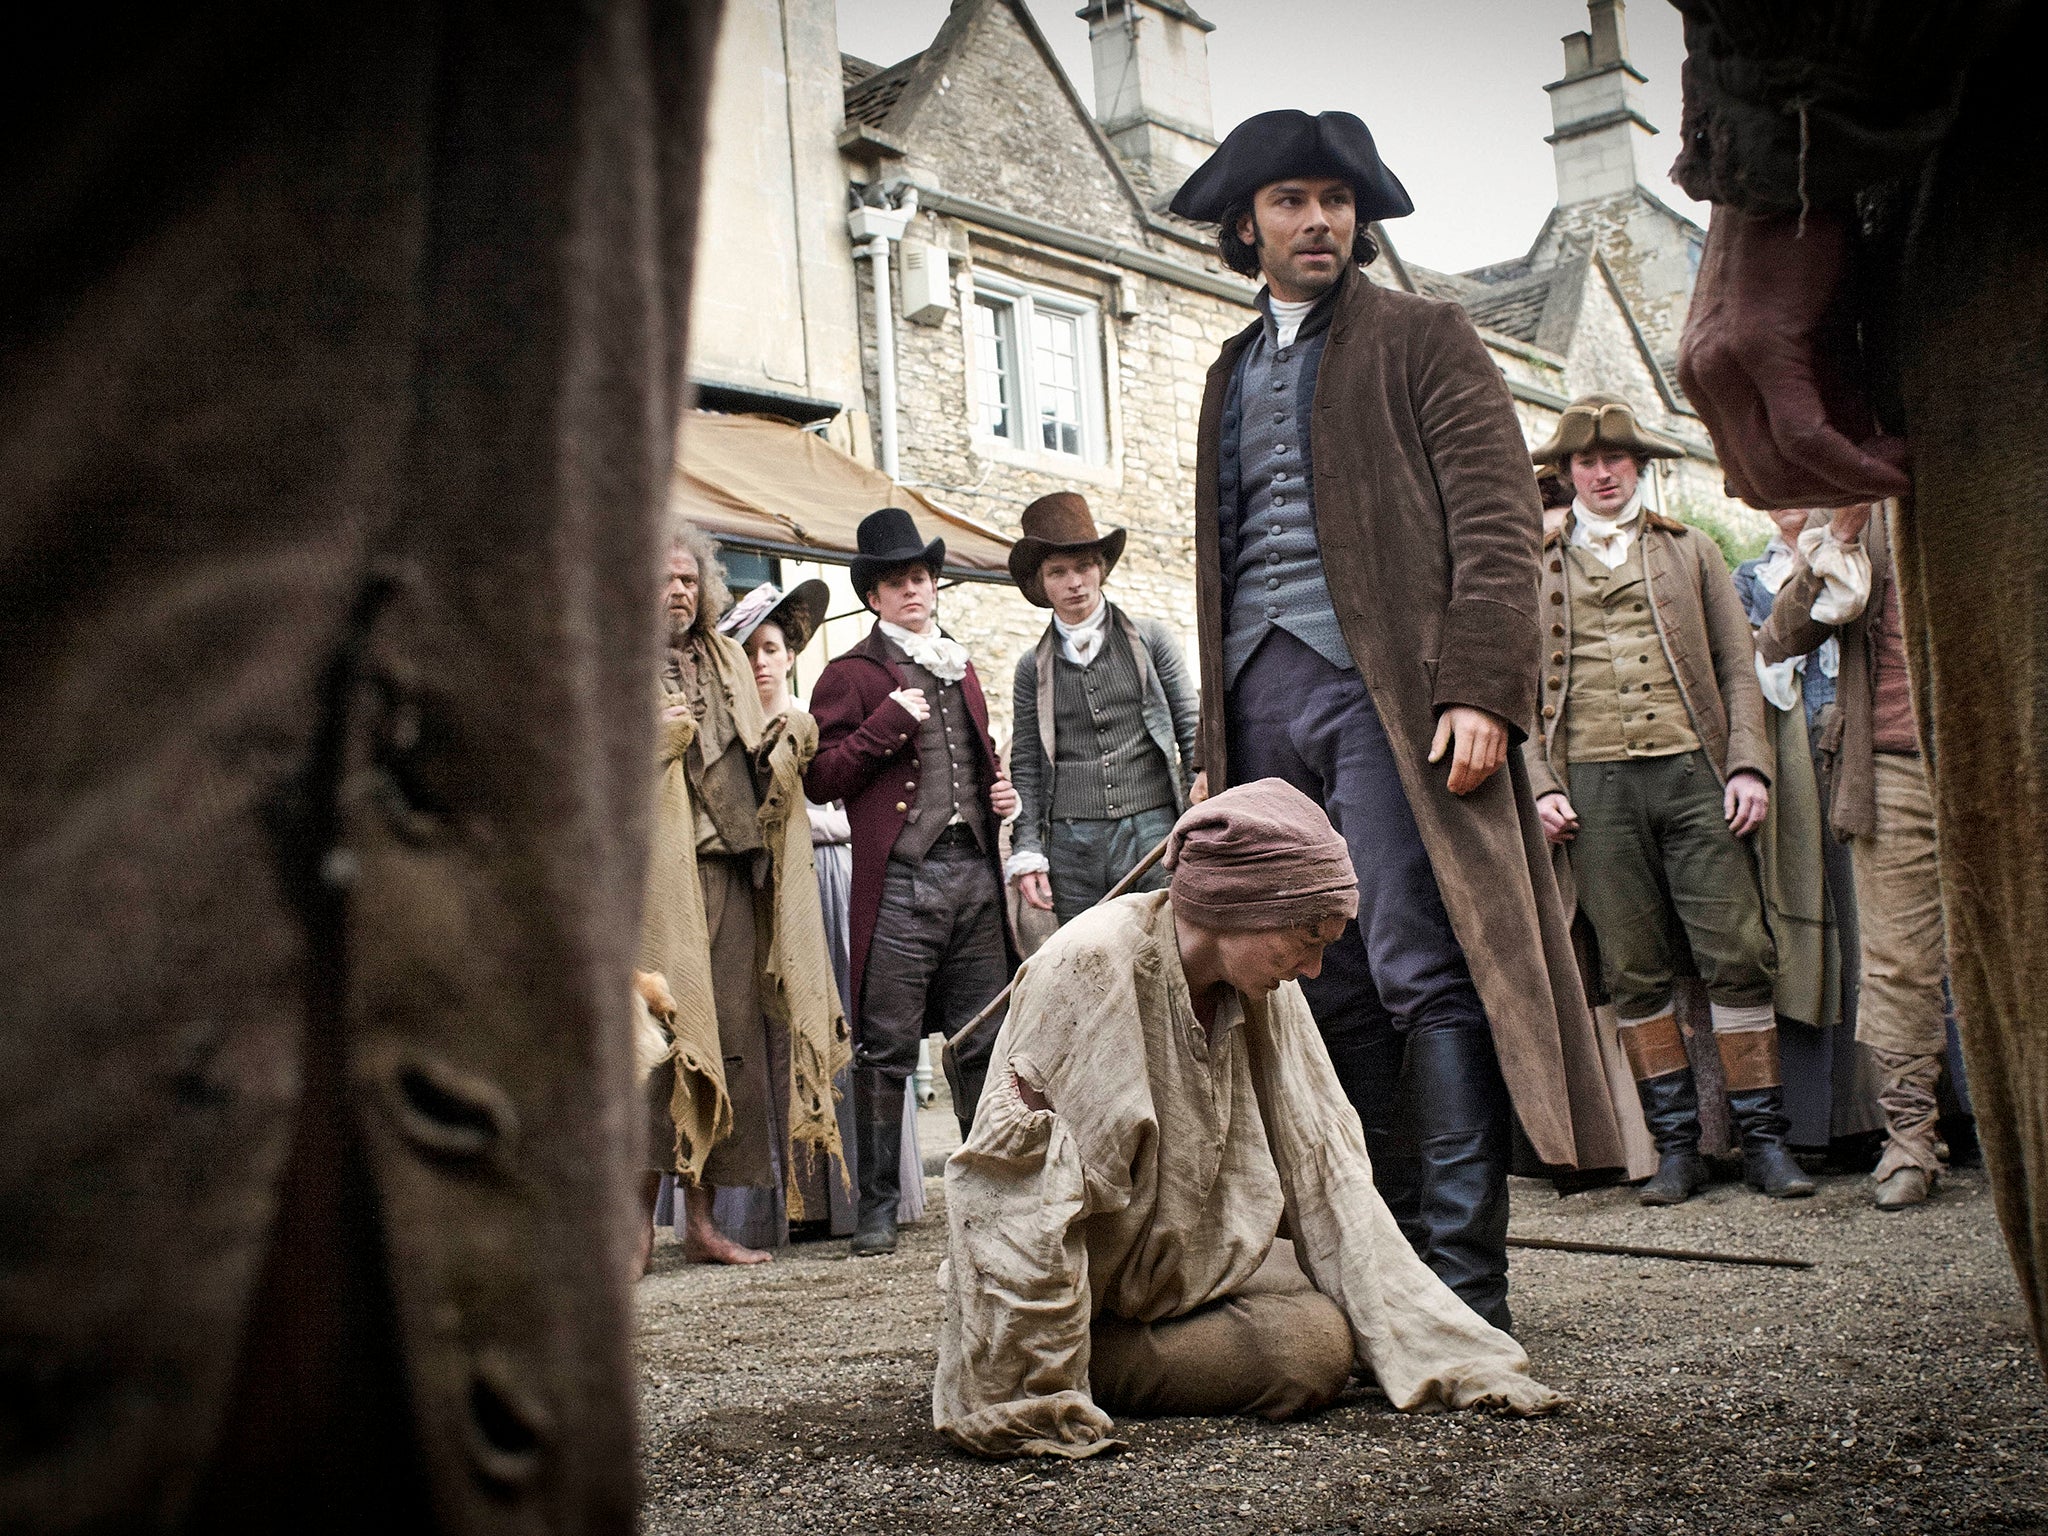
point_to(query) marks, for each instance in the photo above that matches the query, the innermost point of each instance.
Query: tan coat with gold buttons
(1706, 639)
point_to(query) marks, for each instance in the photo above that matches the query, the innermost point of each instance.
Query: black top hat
(887, 539)
(1276, 145)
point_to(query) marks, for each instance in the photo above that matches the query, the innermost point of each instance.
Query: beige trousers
(1276, 1349)
(1898, 901)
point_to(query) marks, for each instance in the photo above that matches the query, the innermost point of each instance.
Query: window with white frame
(1037, 370)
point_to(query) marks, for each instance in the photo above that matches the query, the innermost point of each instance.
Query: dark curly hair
(1243, 259)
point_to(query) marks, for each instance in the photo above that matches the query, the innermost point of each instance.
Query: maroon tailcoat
(867, 752)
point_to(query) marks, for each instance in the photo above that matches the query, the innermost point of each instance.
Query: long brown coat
(1428, 521)
(341, 373)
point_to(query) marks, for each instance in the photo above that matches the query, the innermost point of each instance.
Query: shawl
(1155, 1183)
(797, 987)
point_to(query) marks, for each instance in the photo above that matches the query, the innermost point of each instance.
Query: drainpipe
(874, 229)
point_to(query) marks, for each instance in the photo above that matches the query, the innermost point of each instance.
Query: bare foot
(646, 1253)
(717, 1248)
(650, 1192)
(702, 1242)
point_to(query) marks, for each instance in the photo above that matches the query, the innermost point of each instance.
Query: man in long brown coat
(1367, 598)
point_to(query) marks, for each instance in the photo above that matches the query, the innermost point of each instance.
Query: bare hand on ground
(1560, 821)
(1481, 746)
(912, 699)
(1759, 361)
(1002, 798)
(1036, 889)
(1745, 804)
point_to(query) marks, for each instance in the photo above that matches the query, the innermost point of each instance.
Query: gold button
(1556, 656)
(1557, 597)
(1557, 565)
(1550, 711)
(901, 806)
(1557, 629)
(1557, 682)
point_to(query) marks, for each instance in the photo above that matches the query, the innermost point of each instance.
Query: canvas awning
(766, 484)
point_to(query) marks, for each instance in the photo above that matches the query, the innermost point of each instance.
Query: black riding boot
(1366, 1051)
(1671, 1107)
(1761, 1122)
(1457, 1105)
(878, 1118)
(1757, 1103)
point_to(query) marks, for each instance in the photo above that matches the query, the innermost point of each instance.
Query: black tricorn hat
(1275, 145)
(887, 539)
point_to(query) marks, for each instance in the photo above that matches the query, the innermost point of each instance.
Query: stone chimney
(1596, 110)
(1152, 84)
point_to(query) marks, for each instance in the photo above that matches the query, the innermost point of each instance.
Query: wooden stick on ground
(1634, 1251)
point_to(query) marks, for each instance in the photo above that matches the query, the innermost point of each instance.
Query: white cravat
(945, 658)
(1287, 317)
(1081, 643)
(1607, 539)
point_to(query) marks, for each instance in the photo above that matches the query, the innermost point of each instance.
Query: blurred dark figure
(339, 367)
(1876, 280)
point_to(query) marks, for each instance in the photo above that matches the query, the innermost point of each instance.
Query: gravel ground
(1889, 1389)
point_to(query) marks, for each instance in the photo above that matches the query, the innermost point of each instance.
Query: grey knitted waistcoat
(1272, 564)
(947, 781)
(1107, 766)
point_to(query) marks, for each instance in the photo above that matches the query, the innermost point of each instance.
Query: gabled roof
(1541, 308)
(886, 101)
(873, 92)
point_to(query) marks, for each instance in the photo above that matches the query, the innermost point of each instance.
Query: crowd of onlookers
(1725, 763)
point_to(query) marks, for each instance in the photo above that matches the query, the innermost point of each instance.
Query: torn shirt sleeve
(1014, 1339)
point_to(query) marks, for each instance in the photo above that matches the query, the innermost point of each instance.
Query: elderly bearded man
(1367, 531)
(1159, 1098)
(732, 948)
(1105, 720)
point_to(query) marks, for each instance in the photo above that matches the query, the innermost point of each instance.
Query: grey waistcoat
(1107, 767)
(947, 776)
(1272, 566)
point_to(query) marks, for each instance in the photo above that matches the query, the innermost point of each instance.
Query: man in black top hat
(1366, 532)
(903, 740)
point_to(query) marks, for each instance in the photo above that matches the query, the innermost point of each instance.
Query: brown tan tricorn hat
(1602, 420)
(1059, 524)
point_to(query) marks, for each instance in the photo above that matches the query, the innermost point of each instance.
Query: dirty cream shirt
(1155, 1183)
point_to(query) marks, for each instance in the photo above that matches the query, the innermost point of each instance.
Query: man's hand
(1762, 362)
(912, 699)
(1745, 804)
(1848, 523)
(1482, 746)
(1036, 889)
(1560, 821)
(1002, 798)
(1199, 790)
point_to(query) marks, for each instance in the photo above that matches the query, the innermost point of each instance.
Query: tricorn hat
(1275, 145)
(1602, 420)
(797, 612)
(887, 539)
(1059, 524)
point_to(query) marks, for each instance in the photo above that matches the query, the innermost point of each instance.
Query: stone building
(1042, 324)
(1052, 326)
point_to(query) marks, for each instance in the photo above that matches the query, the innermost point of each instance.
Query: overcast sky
(1452, 90)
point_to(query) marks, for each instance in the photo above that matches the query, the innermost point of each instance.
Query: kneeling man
(1157, 1101)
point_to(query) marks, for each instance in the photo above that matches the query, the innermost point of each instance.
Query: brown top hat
(1602, 420)
(1058, 524)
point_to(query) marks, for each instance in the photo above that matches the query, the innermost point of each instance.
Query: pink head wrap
(1261, 855)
